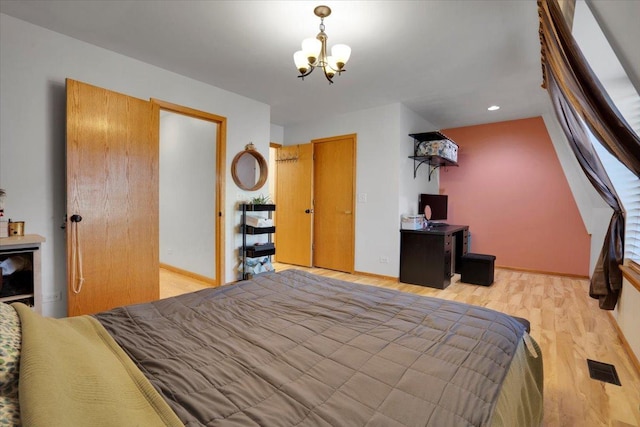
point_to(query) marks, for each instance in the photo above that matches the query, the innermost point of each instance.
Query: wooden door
(112, 183)
(294, 204)
(334, 203)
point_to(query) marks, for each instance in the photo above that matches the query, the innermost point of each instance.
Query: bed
(282, 349)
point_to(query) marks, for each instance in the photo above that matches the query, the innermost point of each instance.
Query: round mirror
(249, 170)
(427, 212)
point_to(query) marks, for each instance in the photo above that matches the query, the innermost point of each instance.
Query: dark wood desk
(430, 256)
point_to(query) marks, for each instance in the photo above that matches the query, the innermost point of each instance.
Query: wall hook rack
(289, 157)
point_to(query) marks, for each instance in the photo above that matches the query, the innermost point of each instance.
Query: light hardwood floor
(565, 321)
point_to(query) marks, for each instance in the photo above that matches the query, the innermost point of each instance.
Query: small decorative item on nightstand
(16, 228)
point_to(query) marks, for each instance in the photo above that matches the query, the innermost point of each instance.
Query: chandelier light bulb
(311, 48)
(341, 52)
(333, 63)
(329, 70)
(300, 59)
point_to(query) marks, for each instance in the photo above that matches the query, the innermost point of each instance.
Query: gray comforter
(295, 349)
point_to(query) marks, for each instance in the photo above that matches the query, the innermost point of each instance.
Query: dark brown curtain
(606, 281)
(582, 106)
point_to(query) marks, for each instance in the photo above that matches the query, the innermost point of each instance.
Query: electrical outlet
(52, 297)
(169, 251)
(384, 260)
(362, 198)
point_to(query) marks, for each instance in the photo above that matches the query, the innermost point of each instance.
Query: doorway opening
(191, 195)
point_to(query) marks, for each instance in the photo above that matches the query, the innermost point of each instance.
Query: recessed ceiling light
(494, 108)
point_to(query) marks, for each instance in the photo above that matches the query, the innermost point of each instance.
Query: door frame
(221, 148)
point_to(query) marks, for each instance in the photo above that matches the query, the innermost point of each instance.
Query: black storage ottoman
(477, 269)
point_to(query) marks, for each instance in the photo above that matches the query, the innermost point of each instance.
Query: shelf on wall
(249, 229)
(257, 251)
(434, 161)
(250, 207)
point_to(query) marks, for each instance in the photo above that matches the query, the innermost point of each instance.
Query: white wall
(34, 63)
(411, 187)
(188, 193)
(595, 213)
(277, 134)
(384, 177)
(626, 315)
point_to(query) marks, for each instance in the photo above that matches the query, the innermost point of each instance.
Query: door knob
(308, 211)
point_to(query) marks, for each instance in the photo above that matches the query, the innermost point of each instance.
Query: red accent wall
(511, 191)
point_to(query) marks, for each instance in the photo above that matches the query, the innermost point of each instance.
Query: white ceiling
(446, 60)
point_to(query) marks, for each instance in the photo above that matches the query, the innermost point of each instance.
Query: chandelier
(314, 52)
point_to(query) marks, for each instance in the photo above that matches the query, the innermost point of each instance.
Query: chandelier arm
(327, 76)
(311, 68)
(338, 70)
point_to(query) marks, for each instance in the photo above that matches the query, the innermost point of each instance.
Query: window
(627, 186)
